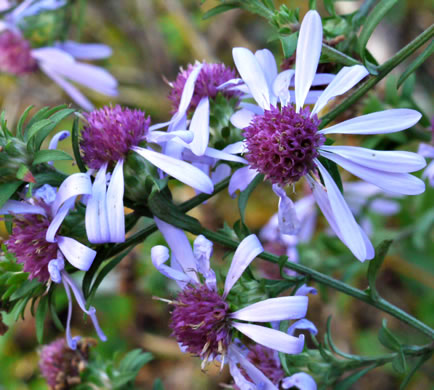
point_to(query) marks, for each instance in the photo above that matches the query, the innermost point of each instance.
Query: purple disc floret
(200, 321)
(267, 361)
(15, 54)
(30, 247)
(210, 77)
(283, 143)
(110, 133)
(50, 362)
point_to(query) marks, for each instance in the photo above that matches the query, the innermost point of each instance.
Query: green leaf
(40, 318)
(52, 178)
(332, 168)
(333, 55)
(220, 9)
(36, 127)
(25, 289)
(387, 338)
(349, 381)
(372, 21)
(7, 190)
(76, 146)
(244, 195)
(43, 156)
(375, 265)
(429, 50)
(289, 44)
(19, 132)
(329, 6)
(419, 363)
(399, 364)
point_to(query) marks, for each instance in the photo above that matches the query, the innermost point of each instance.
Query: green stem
(383, 71)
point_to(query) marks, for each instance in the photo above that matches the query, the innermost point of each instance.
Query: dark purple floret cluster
(15, 54)
(200, 321)
(30, 247)
(266, 360)
(282, 144)
(110, 133)
(210, 77)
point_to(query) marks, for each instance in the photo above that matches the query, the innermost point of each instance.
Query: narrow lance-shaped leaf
(244, 196)
(375, 265)
(220, 9)
(76, 146)
(40, 318)
(387, 338)
(349, 381)
(43, 156)
(399, 364)
(416, 63)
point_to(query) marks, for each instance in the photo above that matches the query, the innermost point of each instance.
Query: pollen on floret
(110, 132)
(27, 242)
(282, 144)
(210, 77)
(15, 54)
(200, 322)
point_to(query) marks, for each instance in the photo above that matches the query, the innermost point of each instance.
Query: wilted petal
(159, 255)
(180, 170)
(381, 122)
(305, 290)
(271, 338)
(401, 183)
(252, 74)
(348, 226)
(72, 341)
(287, 216)
(58, 219)
(60, 136)
(303, 324)
(308, 52)
(241, 179)
(246, 252)
(388, 161)
(115, 204)
(346, 79)
(79, 255)
(274, 309)
(301, 381)
(55, 268)
(74, 185)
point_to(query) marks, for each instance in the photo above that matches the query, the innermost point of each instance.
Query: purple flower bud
(282, 144)
(110, 133)
(200, 321)
(210, 77)
(15, 54)
(29, 245)
(61, 366)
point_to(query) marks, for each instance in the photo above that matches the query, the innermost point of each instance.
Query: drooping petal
(72, 341)
(281, 86)
(252, 74)
(60, 136)
(199, 125)
(271, 338)
(236, 356)
(241, 179)
(388, 161)
(18, 207)
(287, 215)
(115, 204)
(348, 226)
(180, 246)
(242, 118)
(202, 249)
(58, 219)
(401, 183)
(55, 268)
(346, 79)
(308, 52)
(274, 309)
(74, 185)
(180, 170)
(305, 290)
(300, 380)
(79, 255)
(382, 122)
(159, 255)
(246, 252)
(303, 324)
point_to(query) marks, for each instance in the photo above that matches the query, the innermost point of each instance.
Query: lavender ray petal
(247, 250)
(271, 338)
(242, 118)
(188, 91)
(230, 83)
(220, 173)
(79, 255)
(382, 122)
(273, 309)
(85, 51)
(60, 136)
(74, 185)
(301, 381)
(281, 86)
(72, 341)
(115, 204)
(164, 136)
(199, 126)
(241, 178)
(308, 52)
(346, 79)
(159, 255)
(58, 219)
(302, 324)
(305, 290)
(426, 150)
(180, 170)
(235, 148)
(18, 207)
(287, 213)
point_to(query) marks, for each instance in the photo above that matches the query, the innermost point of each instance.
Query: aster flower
(191, 94)
(107, 138)
(60, 366)
(427, 151)
(284, 142)
(202, 321)
(37, 245)
(58, 62)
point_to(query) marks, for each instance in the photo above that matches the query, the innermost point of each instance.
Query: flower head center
(282, 144)
(110, 133)
(209, 78)
(15, 54)
(200, 321)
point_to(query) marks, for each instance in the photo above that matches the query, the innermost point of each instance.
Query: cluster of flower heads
(282, 139)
